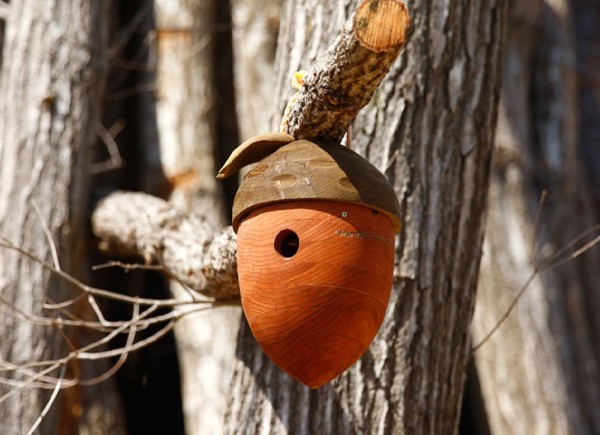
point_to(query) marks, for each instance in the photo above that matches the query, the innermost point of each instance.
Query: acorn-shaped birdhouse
(316, 224)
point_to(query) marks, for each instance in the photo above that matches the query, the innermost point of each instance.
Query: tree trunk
(539, 370)
(190, 96)
(429, 127)
(256, 23)
(53, 76)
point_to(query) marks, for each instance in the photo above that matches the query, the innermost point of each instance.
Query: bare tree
(190, 92)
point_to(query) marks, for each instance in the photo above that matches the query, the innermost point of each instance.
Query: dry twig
(576, 247)
(38, 374)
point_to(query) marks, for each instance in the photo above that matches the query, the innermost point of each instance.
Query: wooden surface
(431, 123)
(305, 170)
(381, 25)
(344, 78)
(253, 151)
(316, 311)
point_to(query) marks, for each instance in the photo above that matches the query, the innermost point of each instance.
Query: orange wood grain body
(315, 312)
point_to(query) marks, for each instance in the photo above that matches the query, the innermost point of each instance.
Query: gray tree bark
(539, 371)
(430, 128)
(54, 69)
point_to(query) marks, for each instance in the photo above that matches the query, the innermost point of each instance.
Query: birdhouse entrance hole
(287, 243)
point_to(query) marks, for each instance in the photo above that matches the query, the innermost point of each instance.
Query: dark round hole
(287, 243)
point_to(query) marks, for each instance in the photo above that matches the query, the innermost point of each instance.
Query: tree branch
(334, 90)
(345, 76)
(191, 250)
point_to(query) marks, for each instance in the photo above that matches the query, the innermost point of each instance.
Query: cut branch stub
(381, 25)
(346, 75)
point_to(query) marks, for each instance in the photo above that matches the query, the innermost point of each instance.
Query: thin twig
(122, 356)
(127, 267)
(96, 309)
(89, 289)
(80, 354)
(74, 321)
(554, 260)
(38, 374)
(30, 382)
(549, 264)
(63, 304)
(108, 139)
(36, 207)
(50, 401)
(503, 318)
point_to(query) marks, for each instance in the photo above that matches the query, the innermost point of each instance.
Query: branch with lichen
(341, 82)
(344, 77)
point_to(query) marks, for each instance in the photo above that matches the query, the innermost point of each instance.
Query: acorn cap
(324, 171)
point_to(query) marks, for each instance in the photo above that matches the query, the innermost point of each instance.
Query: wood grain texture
(344, 78)
(306, 170)
(252, 151)
(315, 312)
(381, 25)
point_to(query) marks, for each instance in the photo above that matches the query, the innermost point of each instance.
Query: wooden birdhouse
(316, 225)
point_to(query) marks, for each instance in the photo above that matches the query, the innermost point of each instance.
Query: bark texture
(255, 27)
(194, 86)
(184, 102)
(191, 249)
(539, 371)
(429, 127)
(54, 70)
(343, 79)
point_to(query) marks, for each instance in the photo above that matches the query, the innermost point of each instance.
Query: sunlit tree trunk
(53, 76)
(189, 96)
(539, 372)
(430, 128)
(256, 23)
